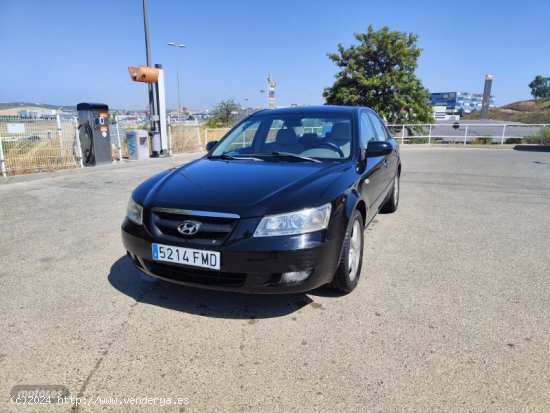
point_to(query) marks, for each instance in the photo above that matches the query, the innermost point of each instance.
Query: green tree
(212, 123)
(225, 111)
(112, 116)
(379, 73)
(540, 87)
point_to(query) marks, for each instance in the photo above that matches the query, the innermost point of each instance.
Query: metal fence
(185, 136)
(38, 145)
(215, 134)
(117, 131)
(119, 147)
(472, 133)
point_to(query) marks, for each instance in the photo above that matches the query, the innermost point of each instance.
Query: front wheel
(348, 271)
(393, 201)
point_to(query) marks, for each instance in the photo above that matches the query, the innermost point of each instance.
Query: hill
(13, 108)
(526, 111)
(35, 106)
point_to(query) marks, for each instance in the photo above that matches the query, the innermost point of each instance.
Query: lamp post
(177, 46)
(246, 103)
(261, 98)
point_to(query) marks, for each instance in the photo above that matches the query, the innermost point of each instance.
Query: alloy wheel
(354, 250)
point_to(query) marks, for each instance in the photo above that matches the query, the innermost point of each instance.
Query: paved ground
(452, 313)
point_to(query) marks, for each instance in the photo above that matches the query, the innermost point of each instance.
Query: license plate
(187, 256)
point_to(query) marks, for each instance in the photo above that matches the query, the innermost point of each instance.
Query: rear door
(372, 181)
(389, 162)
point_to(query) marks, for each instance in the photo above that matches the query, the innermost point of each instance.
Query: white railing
(471, 133)
(36, 145)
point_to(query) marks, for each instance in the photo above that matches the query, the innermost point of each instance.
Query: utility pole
(262, 98)
(178, 46)
(148, 56)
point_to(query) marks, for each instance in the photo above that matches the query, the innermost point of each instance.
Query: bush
(531, 139)
(543, 136)
(213, 123)
(513, 141)
(481, 141)
(413, 140)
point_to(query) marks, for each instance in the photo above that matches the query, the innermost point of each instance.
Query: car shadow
(127, 279)
(532, 148)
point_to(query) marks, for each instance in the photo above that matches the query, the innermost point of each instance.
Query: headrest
(310, 137)
(286, 137)
(341, 132)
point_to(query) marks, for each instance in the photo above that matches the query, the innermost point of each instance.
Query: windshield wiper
(289, 155)
(227, 157)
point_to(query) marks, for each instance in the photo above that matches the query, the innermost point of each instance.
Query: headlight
(292, 223)
(134, 212)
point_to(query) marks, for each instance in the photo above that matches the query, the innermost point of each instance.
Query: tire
(393, 201)
(349, 270)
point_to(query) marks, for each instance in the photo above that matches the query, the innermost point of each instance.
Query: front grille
(213, 230)
(196, 276)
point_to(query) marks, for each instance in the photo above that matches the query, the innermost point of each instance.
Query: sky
(64, 52)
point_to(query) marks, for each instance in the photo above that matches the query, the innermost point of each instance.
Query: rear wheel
(348, 271)
(393, 201)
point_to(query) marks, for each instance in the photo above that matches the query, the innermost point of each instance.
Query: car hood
(246, 188)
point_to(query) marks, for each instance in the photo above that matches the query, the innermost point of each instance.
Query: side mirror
(379, 148)
(210, 145)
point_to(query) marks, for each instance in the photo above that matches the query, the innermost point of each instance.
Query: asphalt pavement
(452, 313)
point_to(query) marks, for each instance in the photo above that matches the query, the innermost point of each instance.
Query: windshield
(310, 137)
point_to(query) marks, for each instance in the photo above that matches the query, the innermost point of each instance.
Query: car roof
(324, 109)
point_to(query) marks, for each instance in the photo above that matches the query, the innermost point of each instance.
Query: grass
(527, 111)
(481, 141)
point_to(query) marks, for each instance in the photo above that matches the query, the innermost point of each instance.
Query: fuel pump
(95, 141)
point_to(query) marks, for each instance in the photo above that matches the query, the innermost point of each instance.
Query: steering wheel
(332, 146)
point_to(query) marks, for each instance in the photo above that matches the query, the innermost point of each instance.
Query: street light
(247, 111)
(261, 98)
(177, 46)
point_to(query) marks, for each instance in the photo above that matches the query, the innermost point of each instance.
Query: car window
(378, 127)
(367, 132)
(242, 138)
(314, 136)
(275, 127)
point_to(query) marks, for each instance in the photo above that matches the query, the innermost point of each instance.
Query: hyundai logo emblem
(189, 228)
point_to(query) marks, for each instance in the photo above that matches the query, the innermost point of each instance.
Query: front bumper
(248, 265)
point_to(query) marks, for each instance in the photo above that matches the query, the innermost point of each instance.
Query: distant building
(27, 114)
(35, 114)
(440, 113)
(458, 103)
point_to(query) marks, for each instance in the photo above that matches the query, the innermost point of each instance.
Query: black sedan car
(279, 205)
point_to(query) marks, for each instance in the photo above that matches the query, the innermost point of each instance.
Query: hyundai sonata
(278, 205)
